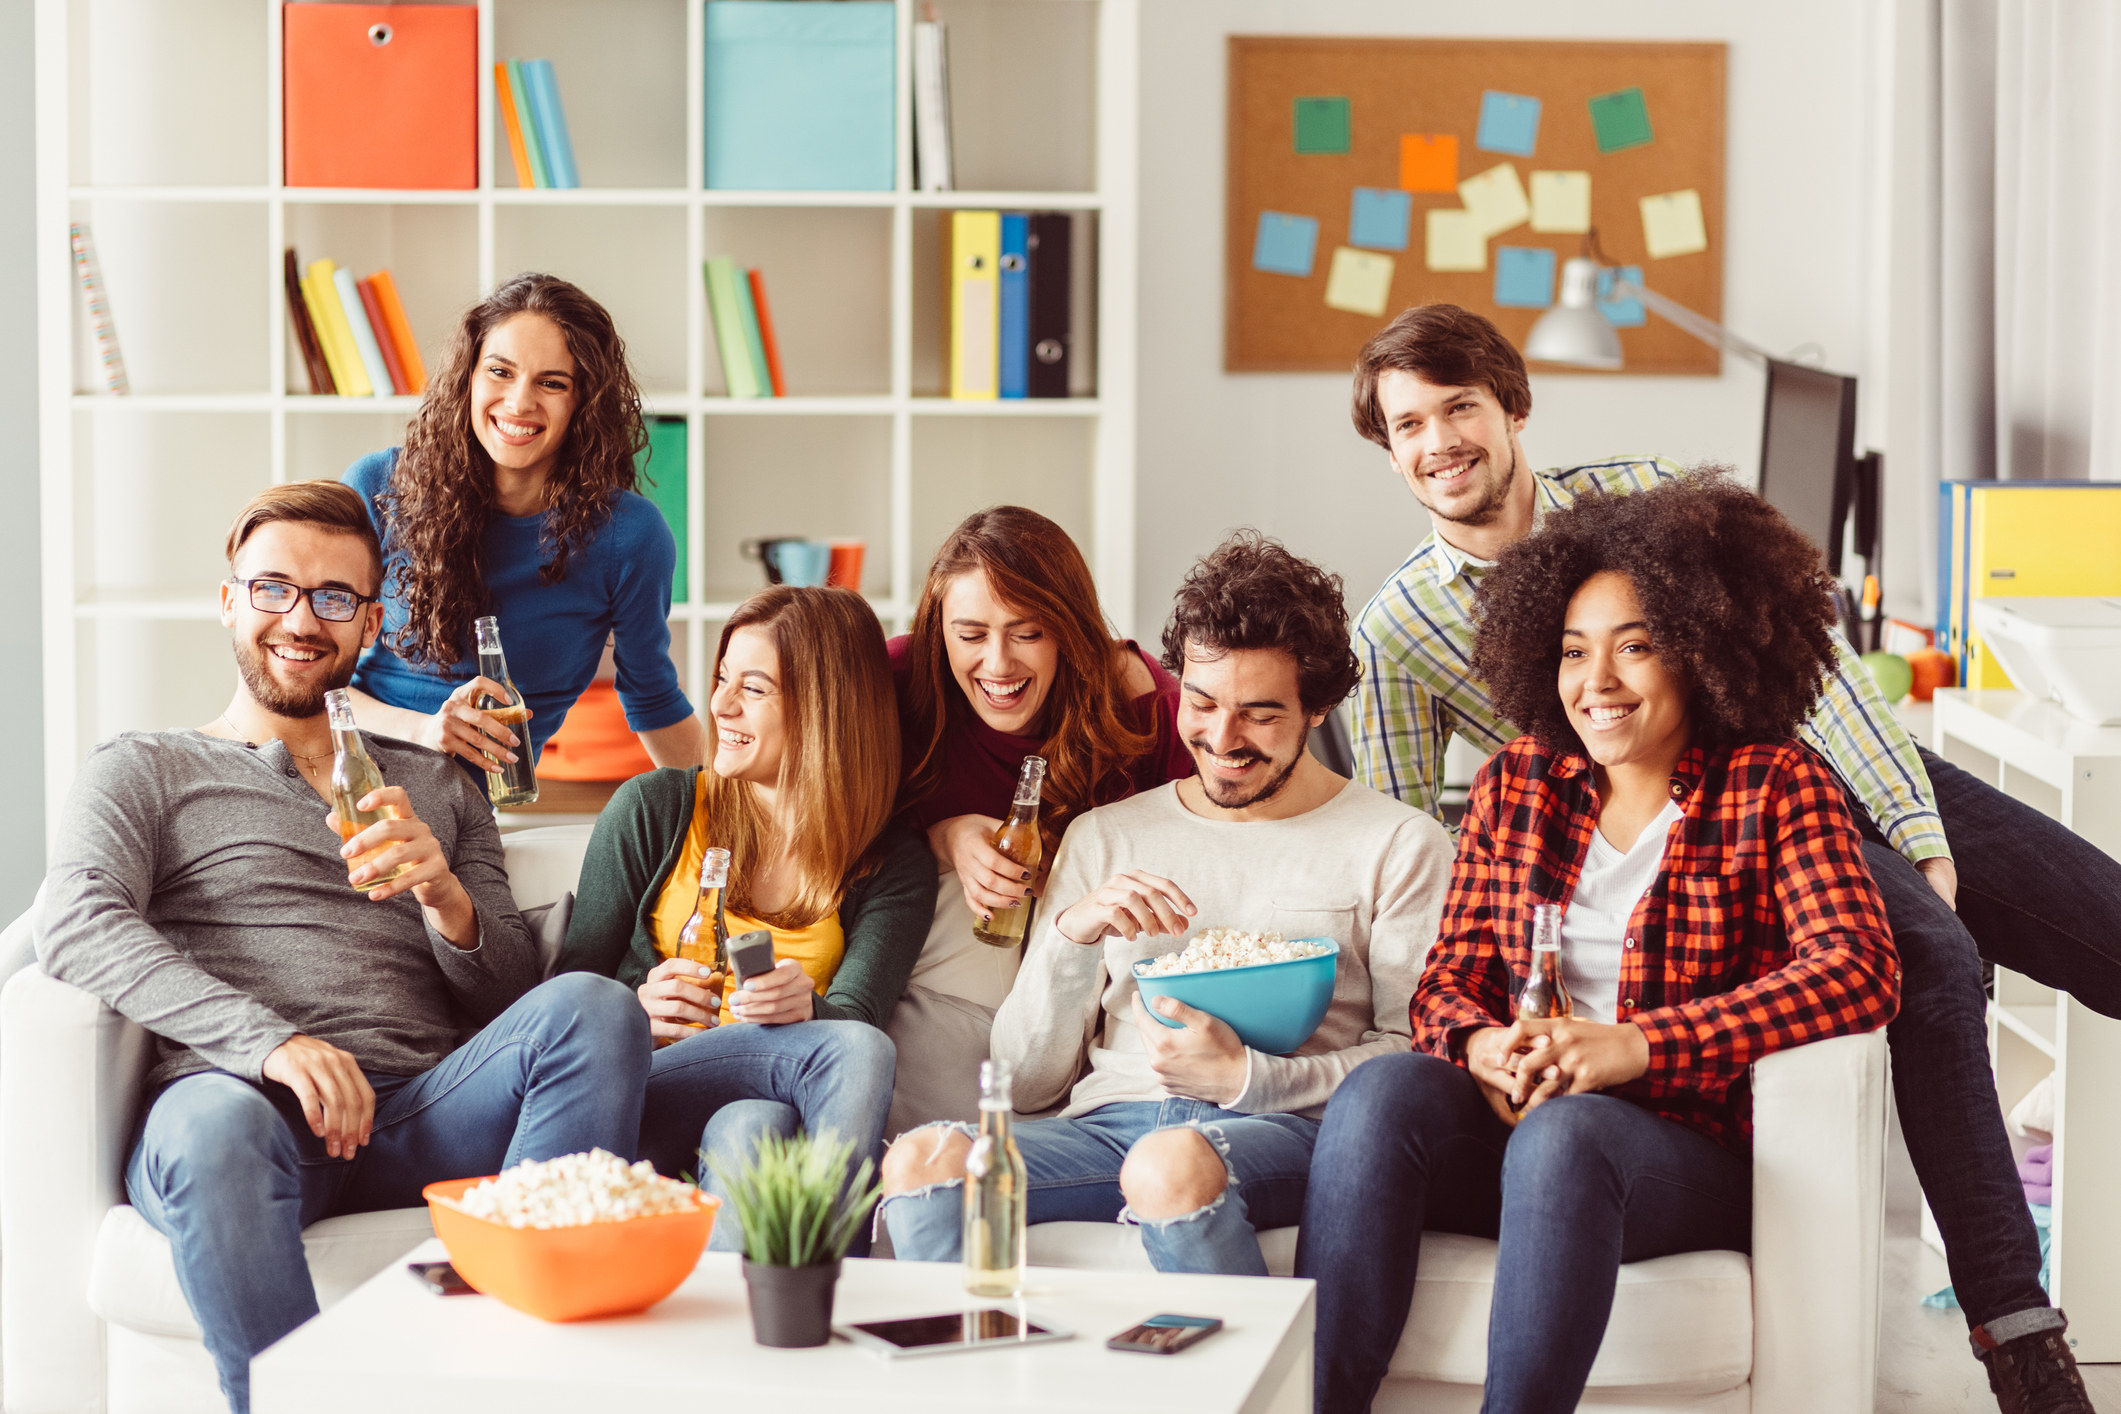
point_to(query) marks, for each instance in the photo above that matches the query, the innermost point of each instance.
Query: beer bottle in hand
(1544, 997)
(1018, 840)
(705, 937)
(507, 782)
(353, 776)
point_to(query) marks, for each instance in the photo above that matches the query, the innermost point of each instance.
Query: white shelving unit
(159, 125)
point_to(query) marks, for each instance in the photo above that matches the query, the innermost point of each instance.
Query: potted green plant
(799, 1210)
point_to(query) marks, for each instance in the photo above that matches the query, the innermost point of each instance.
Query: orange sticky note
(1428, 162)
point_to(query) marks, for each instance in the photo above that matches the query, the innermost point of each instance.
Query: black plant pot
(791, 1306)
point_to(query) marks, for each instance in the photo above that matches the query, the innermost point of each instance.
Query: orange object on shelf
(594, 743)
(1932, 669)
(571, 1273)
(381, 95)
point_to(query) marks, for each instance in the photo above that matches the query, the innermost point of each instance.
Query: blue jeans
(1073, 1166)
(230, 1173)
(2033, 897)
(723, 1089)
(1583, 1184)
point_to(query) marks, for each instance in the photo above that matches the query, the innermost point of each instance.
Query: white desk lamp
(1576, 332)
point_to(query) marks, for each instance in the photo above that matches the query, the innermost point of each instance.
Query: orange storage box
(381, 95)
(571, 1273)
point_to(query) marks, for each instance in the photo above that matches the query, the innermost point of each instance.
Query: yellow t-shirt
(818, 947)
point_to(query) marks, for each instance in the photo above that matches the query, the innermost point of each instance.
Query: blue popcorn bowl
(1272, 1006)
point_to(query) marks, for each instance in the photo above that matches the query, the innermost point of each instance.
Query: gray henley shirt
(196, 889)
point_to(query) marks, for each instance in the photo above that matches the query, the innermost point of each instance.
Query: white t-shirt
(1595, 928)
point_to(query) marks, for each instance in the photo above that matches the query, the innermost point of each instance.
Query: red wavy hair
(1037, 571)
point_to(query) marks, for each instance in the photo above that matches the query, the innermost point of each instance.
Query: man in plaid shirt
(1446, 396)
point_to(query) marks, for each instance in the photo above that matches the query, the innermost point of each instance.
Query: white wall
(1277, 450)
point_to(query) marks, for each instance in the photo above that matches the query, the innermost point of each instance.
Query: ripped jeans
(1073, 1165)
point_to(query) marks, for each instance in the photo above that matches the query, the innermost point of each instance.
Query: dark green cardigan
(884, 916)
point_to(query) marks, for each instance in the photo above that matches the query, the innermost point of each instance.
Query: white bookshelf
(159, 125)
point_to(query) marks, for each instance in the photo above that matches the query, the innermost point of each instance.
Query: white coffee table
(393, 1348)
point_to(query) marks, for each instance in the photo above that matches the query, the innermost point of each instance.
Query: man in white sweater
(1185, 1130)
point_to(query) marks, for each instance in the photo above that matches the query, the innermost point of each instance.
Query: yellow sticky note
(1359, 282)
(1455, 242)
(1561, 202)
(1496, 199)
(1672, 224)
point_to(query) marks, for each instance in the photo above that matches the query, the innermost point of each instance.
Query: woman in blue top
(514, 496)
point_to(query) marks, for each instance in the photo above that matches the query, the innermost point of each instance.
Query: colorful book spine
(364, 338)
(373, 308)
(766, 338)
(729, 328)
(400, 330)
(975, 251)
(313, 362)
(754, 341)
(527, 120)
(347, 369)
(661, 468)
(1014, 348)
(314, 303)
(931, 103)
(89, 272)
(504, 103)
(544, 88)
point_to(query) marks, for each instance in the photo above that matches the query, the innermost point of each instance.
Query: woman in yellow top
(799, 791)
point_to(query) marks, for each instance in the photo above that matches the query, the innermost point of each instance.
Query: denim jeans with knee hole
(230, 1173)
(1073, 1166)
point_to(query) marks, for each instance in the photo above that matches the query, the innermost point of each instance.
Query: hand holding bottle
(989, 878)
(681, 997)
(459, 728)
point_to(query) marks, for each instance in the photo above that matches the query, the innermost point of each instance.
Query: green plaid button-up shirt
(1415, 639)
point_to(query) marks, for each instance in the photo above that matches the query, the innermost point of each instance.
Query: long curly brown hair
(441, 496)
(1039, 573)
(1734, 595)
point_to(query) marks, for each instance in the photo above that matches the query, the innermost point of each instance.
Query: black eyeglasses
(277, 596)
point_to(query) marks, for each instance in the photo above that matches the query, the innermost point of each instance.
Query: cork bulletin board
(1625, 137)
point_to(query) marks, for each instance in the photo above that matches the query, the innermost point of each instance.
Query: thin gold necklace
(307, 769)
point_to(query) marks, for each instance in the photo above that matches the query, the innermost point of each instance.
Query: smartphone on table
(441, 1279)
(1166, 1334)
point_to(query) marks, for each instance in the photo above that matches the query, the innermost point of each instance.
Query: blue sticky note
(1378, 218)
(1285, 244)
(1524, 276)
(1509, 122)
(1621, 313)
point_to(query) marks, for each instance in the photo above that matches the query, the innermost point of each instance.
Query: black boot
(2036, 1374)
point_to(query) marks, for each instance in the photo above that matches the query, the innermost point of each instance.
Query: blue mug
(803, 563)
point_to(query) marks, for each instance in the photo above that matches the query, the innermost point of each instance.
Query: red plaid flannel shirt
(1762, 929)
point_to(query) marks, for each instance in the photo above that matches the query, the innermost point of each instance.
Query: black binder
(1047, 248)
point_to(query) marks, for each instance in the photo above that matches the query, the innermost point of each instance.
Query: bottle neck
(493, 663)
(994, 1113)
(1547, 961)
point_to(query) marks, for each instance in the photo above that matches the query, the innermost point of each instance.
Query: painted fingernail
(1027, 878)
(986, 918)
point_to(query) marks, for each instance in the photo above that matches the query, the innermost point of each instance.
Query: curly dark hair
(1250, 592)
(441, 496)
(1736, 599)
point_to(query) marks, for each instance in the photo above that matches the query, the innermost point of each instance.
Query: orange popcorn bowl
(571, 1273)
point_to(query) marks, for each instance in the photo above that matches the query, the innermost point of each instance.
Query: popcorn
(1215, 949)
(574, 1189)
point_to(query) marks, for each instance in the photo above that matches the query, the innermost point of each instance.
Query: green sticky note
(1620, 120)
(1321, 125)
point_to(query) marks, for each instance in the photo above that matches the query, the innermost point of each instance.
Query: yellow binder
(975, 303)
(2024, 538)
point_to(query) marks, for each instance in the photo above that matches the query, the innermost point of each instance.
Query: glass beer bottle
(705, 937)
(995, 1190)
(354, 775)
(1017, 839)
(1545, 996)
(507, 782)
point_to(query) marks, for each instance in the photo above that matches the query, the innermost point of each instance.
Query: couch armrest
(1818, 1212)
(71, 1071)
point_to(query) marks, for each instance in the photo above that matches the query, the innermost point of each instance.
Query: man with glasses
(319, 1050)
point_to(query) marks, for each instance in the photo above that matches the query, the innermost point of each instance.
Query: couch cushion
(544, 862)
(1685, 1320)
(133, 1281)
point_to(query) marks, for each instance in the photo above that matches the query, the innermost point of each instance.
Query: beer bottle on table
(507, 782)
(353, 776)
(1544, 996)
(996, 1186)
(705, 937)
(1017, 839)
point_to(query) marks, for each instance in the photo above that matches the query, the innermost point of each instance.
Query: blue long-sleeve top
(619, 583)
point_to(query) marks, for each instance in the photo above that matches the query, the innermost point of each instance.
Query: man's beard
(1259, 795)
(282, 701)
(1489, 506)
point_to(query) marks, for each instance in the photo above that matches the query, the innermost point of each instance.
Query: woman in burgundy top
(1010, 656)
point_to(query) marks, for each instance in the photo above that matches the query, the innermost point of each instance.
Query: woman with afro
(1660, 650)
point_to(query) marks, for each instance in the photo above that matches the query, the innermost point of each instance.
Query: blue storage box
(801, 95)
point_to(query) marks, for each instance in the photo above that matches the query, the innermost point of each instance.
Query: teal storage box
(801, 95)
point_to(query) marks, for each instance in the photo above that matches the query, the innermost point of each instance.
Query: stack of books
(527, 98)
(743, 330)
(1010, 297)
(353, 334)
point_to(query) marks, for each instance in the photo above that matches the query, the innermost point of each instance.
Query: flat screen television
(1808, 452)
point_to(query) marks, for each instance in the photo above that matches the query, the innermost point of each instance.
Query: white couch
(91, 1318)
